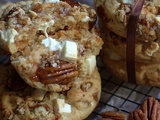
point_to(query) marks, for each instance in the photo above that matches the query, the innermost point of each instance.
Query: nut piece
(137, 115)
(109, 115)
(151, 108)
(64, 73)
(86, 86)
(150, 48)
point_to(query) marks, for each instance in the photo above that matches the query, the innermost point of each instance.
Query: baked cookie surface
(145, 52)
(51, 43)
(20, 101)
(146, 73)
(115, 14)
(146, 59)
(113, 20)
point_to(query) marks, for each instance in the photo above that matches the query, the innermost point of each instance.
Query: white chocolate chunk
(53, 1)
(158, 19)
(127, 1)
(69, 52)
(21, 110)
(53, 44)
(67, 49)
(86, 19)
(62, 107)
(40, 111)
(8, 36)
(44, 27)
(91, 62)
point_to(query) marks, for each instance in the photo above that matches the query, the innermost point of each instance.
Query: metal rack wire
(120, 96)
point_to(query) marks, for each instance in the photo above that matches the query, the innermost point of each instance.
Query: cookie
(18, 100)
(145, 52)
(115, 15)
(146, 58)
(52, 43)
(146, 73)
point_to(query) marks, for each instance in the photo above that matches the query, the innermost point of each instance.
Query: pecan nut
(137, 115)
(110, 115)
(151, 108)
(62, 74)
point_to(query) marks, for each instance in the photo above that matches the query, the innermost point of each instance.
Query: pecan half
(109, 115)
(64, 73)
(151, 108)
(137, 115)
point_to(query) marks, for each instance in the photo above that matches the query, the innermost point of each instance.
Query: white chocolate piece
(127, 1)
(62, 107)
(44, 27)
(41, 111)
(91, 62)
(52, 1)
(157, 19)
(8, 36)
(53, 44)
(69, 52)
(86, 19)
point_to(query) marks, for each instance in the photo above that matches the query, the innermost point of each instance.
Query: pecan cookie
(146, 73)
(145, 52)
(20, 101)
(114, 57)
(52, 43)
(115, 15)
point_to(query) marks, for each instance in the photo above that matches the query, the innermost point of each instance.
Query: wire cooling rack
(120, 96)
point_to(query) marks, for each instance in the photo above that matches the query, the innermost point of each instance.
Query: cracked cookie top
(51, 43)
(115, 15)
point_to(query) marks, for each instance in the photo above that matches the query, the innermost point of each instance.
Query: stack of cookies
(52, 73)
(113, 20)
